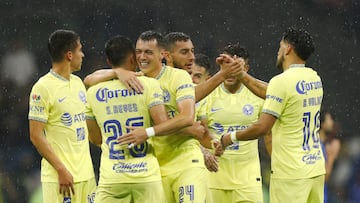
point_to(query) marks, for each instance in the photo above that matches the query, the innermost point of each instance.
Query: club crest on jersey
(248, 109)
(35, 97)
(166, 96)
(82, 96)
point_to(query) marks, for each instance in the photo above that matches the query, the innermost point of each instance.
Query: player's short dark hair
(301, 40)
(152, 35)
(117, 49)
(238, 50)
(204, 61)
(60, 42)
(173, 37)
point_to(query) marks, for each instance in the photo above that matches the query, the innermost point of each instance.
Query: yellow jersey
(60, 103)
(114, 108)
(294, 97)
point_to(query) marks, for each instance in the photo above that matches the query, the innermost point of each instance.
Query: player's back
(296, 151)
(114, 108)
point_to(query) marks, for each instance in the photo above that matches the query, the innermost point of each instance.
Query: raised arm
(38, 139)
(258, 87)
(99, 76)
(128, 78)
(227, 68)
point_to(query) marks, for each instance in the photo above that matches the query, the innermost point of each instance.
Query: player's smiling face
(182, 54)
(148, 56)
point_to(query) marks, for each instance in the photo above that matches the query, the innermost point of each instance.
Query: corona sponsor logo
(104, 94)
(302, 87)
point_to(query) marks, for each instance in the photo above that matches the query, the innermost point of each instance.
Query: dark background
(258, 25)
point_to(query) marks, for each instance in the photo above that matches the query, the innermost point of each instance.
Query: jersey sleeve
(184, 86)
(275, 97)
(201, 109)
(88, 110)
(39, 103)
(155, 95)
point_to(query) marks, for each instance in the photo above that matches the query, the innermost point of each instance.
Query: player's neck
(233, 88)
(63, 69)
(291, 61)
(154, 73)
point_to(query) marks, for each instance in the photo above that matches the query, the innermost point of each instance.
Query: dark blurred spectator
(330, 144)
(18, 65)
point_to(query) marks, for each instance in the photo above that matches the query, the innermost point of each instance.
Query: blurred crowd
(23, 61)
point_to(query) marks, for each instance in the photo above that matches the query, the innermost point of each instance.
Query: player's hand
(217, 146)
(136, 136)
(231, 66)
(211, 161)
(66, 182)
(197, 130)
(129, 79)
(225, 140)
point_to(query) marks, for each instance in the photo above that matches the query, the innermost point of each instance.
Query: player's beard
(279, 63)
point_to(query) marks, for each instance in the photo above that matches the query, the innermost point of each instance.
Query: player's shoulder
(146, 79)
(100, 85)
(44, 81)
(176, 71)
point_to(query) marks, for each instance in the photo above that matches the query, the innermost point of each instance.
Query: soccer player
(177, 45)
(127, 173)
(202, 69)
(58, 127)
(181, 162)
(292, 111)
(231, 107)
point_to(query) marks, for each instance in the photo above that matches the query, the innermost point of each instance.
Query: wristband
(150, 131)
(233, 137)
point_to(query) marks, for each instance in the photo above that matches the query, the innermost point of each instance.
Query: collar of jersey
(161, 72)
(57, 75)
(297, 66)
(227, 91)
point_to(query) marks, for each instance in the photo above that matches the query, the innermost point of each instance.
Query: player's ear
(166, 55)
(288, 48)
(246, 67)
(108, 61)
(68, 55)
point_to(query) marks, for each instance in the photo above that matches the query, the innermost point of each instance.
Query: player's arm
(259, 128)
(332, 150)
(268, 142)
(43, 147)
(128, 78)
(258, 87)
(163, 125)
(94, 132)
(227, 68)
(211, 160)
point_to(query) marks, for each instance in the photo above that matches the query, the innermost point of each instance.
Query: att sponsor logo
(302, 87)
(104, 94)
